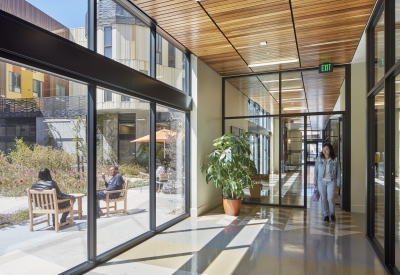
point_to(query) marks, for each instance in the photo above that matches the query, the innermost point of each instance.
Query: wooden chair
(46, 202)
(144, 177)
(123, 197)
(162, 180)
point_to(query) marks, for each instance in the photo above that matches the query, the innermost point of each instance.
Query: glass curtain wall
(170, 163)
(255, 99)
(170, 63)
(122, 36)
(380, 48)
(284, 140)
(379, 159)
(292, 161)
(35, 133)
(264, 144)
(45, 123)
(383, 133)
(123, 128)
(397, 172)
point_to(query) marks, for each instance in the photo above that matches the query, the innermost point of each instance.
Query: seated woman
(47, 183)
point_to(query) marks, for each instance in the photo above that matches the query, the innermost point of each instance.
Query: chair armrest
(63, 200)
(113, 191)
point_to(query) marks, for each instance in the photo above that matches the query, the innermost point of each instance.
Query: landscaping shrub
(20, 169)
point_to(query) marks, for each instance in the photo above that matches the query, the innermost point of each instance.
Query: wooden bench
(46, 202)
(123, 197)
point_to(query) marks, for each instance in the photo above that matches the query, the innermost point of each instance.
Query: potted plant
(229, 166)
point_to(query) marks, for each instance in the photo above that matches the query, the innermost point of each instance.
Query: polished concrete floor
(261, 240)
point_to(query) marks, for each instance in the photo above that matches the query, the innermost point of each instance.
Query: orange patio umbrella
(163, 135)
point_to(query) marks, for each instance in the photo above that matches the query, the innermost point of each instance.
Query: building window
(108, 42)
(125, 98)
(171, 55)
(15, 82)
(107, 96)
(158, 49)
(37, 88)
(60, 90)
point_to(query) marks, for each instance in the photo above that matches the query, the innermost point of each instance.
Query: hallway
(262, 240)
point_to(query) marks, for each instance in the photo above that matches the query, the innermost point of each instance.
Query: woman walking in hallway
(327, 177)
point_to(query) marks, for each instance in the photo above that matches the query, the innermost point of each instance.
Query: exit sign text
(326, 68)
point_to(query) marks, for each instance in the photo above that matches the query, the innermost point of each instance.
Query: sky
(70, 13)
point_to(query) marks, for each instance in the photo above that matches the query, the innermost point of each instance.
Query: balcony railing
(55, 107)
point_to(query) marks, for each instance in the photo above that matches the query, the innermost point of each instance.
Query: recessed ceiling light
(292, 79)
(274, 63)
(295, 108)
(289, 90)
(263, 43)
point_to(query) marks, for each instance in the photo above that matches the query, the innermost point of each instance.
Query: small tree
(229, 165)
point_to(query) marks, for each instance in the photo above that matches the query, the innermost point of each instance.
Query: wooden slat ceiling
(226, 35)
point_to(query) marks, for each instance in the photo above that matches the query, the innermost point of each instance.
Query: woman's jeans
(327, 196)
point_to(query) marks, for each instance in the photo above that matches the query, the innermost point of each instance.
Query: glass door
(292, 170)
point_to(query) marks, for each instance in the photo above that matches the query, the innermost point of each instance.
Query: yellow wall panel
(26, 84)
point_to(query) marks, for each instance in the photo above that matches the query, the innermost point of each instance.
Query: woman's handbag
(315, 196)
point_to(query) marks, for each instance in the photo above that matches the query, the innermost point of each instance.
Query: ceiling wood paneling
(329, 30)
(225, 34)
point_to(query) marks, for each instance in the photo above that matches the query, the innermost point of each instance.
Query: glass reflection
(379, 48)
(170, 157)
(264, 152)
(379, 166)
(260, 90)
(122, 37)
(293, 95)
(292, 179)
(397, 172)
(170, 63)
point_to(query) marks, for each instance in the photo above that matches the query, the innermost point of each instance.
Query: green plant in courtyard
(20, 169)
(229, 165)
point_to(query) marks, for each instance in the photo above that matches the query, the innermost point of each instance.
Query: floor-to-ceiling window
(383, 132)
(36, 133)
(84, 116)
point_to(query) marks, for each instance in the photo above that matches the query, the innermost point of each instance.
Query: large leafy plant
(229, 165)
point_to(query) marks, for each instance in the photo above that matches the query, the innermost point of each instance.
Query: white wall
(206, 121)
(358, 137)
(340, 103)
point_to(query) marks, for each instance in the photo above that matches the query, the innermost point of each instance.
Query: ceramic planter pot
(232, 206)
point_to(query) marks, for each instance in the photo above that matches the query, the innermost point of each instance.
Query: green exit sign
(326, 68)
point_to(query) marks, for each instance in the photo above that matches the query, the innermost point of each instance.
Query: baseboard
(358, 208)
(195, 212)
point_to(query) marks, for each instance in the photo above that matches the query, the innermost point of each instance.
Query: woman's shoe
(333, 218)
(326, 219)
